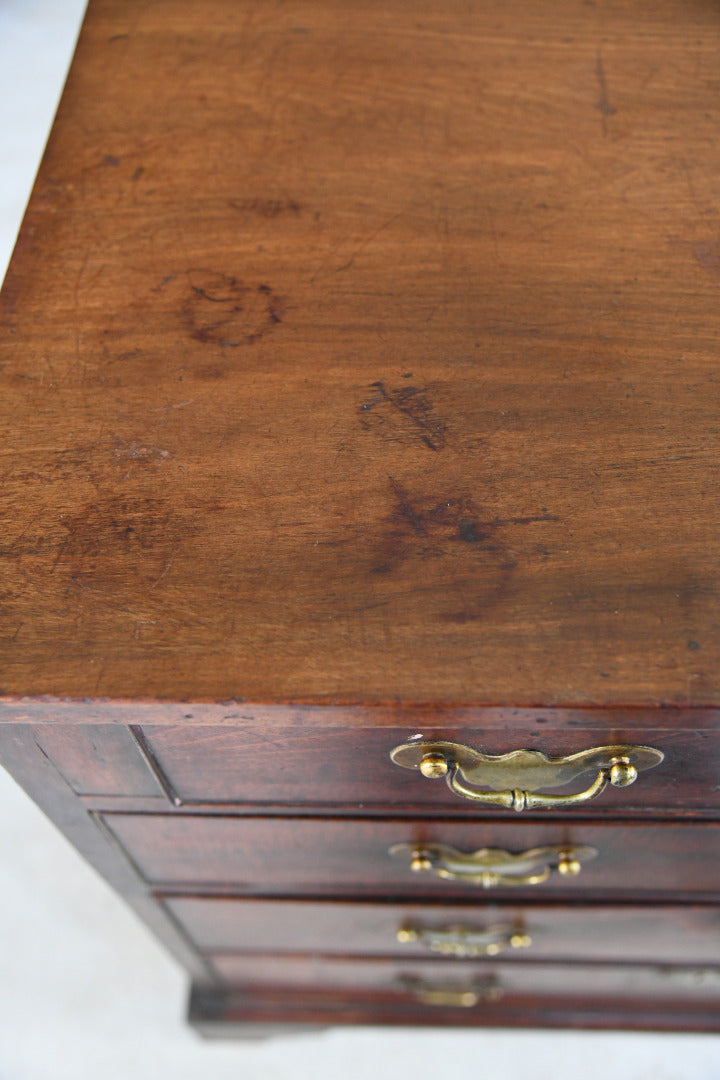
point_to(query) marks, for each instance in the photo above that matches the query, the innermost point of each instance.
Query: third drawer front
(275, 856)
(612, 934)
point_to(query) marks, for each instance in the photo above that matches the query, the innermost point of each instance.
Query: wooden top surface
(370, 353)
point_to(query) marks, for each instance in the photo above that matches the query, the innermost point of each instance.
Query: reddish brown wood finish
(98, 759)
(584, 982)
(305, 857)
(249, 1013)
(321, 770)
(358, 378)
(685, 935)
(369, 354)
(310, 768)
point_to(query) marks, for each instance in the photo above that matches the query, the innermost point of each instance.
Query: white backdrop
(85, 992)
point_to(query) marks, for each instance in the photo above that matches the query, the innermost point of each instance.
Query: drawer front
(443, 983)
(350, 770)
(328, 768)
(274, 856)
(611, 934)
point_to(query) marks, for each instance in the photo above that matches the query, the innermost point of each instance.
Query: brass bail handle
(452, 996)
(465, 942)
(494, 867)
(511, 780)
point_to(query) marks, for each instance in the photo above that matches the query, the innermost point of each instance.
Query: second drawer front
(273, 856)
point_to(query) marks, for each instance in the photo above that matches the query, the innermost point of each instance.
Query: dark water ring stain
(221, 310)
(423, 530)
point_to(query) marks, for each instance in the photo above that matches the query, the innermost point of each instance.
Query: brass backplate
(528, 770)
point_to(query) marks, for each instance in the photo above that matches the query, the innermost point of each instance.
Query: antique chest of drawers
(359, 567)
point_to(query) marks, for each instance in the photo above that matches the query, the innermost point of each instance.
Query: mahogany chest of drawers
(359, 562)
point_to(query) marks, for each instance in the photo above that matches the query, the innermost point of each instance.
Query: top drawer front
(334, 768)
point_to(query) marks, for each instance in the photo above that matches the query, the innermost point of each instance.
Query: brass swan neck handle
(465, 941)
(511, 780)
(452, 995)
(493, 867)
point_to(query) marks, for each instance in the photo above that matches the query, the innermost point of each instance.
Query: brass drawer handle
(513, 778)
(463, 996)
(464, 941)
(493, 867)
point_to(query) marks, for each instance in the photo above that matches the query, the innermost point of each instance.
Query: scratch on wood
(526, 520)
(99, 679)
(165, 570)
(166, 280)
(359, 247)
(135, 452)
(603, 103)
(176, 405)
(406, 508)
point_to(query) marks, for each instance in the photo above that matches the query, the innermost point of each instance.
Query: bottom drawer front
(680, 935)
(445, 983)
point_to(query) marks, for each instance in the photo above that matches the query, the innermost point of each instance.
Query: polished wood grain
(358, 380)
(349, 857)
(250, 1012)
(97, 759)
(305, 768)
(368, 354)
(612, 982)
(657, 933)
(320, 770)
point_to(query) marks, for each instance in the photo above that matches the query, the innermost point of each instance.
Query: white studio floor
(84, 991)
